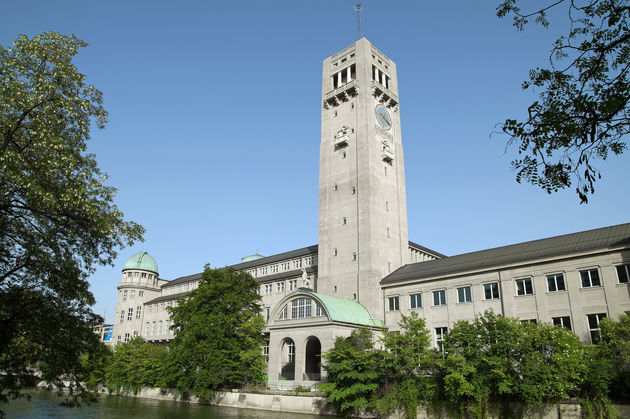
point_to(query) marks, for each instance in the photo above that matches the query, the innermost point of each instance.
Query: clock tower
(362, 197)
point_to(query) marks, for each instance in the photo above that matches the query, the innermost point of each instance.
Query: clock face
(383, 117)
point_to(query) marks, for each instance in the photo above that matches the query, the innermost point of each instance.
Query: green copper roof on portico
(141, 260)
(344, 310)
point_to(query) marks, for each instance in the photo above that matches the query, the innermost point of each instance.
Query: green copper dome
(141, 260)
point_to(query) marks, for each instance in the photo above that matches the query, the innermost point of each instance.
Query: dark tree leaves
(582, 112)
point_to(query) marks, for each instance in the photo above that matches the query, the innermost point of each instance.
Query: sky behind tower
(214, 129)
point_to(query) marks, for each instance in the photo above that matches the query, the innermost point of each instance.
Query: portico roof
(344, 310)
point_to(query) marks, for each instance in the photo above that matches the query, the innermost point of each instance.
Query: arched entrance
(287, 360)
(313, 359)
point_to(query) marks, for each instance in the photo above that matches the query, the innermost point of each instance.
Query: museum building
(364, 272)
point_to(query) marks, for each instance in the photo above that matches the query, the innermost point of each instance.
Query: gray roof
(276, 258)
(167, 298)
(426, 250)
(521, 253)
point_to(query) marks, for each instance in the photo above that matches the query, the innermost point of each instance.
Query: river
(45, 404)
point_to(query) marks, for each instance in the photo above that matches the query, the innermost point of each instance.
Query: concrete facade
(365, 272)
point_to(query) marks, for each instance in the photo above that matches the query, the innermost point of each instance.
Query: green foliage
(57, 219)
(408, 365)
(582, 111)
(95, 366)
(495, 359)
(137, 364)
(219, 339)
(354, 375)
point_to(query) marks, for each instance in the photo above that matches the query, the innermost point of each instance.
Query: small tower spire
(357, 7)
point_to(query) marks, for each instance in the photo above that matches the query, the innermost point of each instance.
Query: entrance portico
(303, 325)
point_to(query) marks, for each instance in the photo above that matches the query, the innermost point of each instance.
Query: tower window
(343, 155)
(387, 231)
(386, 204)
(354, 190)
(335, 251)
(335, 288)
(385, 170)
(344, 220)
(335, 187)
(354, 255)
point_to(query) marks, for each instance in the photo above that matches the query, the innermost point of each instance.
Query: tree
(583, 109)
(137, 364)
(57, 218)
(219, 336)
(493, 360)
(354, 376)
(408, 363)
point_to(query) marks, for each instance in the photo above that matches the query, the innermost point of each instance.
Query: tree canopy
(582, 114)
(57, 217)
(218, 343)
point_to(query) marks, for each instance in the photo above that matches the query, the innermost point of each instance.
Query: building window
(153, 328)
(301, 308)
(125, 295)
(283, 313)
(167, 324)
(416, 300)
(280, 286)
(159, 327)
(291, 351)
(135, 333)
(354, 190)
(387, 231)
(335, 187)
(292, 284)
(122, 316)
(335, 251)
(138, 312)
(146, 329)
(593, 327)
(268, 289)
(590, 278)
(267, 312)
(623, 272)
(464, 295)
(524, 286)
(439, 298)
(132, 294)
(393, 304)
(118, 339)
(354, 255)
(529, 321)
(345, 220)
(440, 334)
(564, 321)
(319, 310)
(140, 293)
(491, 290)
(265, 350)
(130, 313)
(555, 282)
(126, 337)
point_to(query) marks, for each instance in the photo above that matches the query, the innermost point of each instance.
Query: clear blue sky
(213, 138)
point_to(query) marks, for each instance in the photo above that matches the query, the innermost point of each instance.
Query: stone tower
(362, 197)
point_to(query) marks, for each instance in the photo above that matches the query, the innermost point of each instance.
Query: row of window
(139, 274)
(130, 314)
(131, 294)
(281, 267)
(127, 336)
(301, 308)
(524, 286)
(155, 328)
(562, 321)
(267, 289)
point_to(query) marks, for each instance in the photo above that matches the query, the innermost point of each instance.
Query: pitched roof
(601, 238)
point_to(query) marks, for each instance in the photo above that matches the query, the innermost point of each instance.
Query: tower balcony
(384, 95)
(341, 140)
(341, 94)
(387, 155)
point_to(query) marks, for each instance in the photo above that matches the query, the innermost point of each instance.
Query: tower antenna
(357, 7)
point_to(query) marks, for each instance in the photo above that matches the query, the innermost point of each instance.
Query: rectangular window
(440, 334)
(280, 286)
(593, 327)
(138, 312)
(153, 328)
(416, 300)
(524, 286)
(265, 350)
(292, 284)
(159, 327)
(267, 312)
(464, 295)
(130, 313)
(135, 333)
(118, 339)
(319, 311)
(555, 282)
(590, 278)
(623, 272)
(268, 289)
(125, 295)
(491, 290)
(167, 326)
(146, 329)
(439, 298)
(126, 337)
(122, 316)
(140, 293)
(529, 321)
(132, 293)
(393, 303)
(564, 321)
